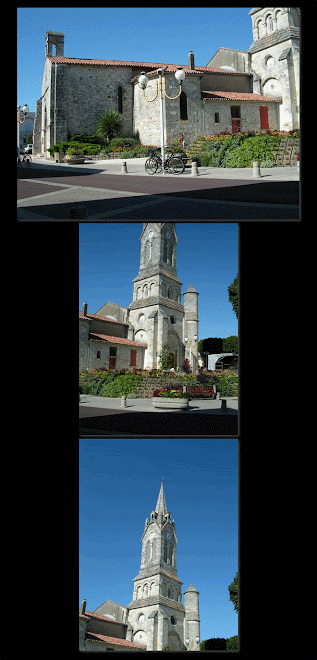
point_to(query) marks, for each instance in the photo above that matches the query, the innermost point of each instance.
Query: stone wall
(91, 91)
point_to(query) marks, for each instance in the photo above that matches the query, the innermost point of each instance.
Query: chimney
(191, 61)
(83, 606)
(84, 309)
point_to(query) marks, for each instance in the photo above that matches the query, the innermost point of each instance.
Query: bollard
(124, 167)
(194, 168)
(223, 404)
(78, 212)
(123, 401)
(256, 170)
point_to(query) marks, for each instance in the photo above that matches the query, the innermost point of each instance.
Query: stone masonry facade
(217, 97)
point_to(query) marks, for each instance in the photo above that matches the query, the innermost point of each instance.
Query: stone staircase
(285, 154)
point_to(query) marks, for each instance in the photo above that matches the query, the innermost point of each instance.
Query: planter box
(170, 404)
(75, 161)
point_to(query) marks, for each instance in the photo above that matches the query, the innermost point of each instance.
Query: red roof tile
(114, 340)
(112, 640)
(101, 318)
(75, 60)
(235, 96)
(93, 615)
(151, 65)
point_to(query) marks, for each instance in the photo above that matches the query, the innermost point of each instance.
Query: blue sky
(207, 257)
(119, 487)
(144, 34)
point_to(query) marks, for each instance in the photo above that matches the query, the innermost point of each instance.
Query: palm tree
(109, 126)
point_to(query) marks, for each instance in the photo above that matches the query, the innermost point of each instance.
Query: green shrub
(122, 384)
(228, 384)
(124, 142)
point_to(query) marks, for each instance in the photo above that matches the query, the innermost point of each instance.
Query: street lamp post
(161, 89)
(25, 111)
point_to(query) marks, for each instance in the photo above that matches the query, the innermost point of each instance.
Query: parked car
(28, 149)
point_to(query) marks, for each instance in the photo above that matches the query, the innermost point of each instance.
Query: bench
(201, 392)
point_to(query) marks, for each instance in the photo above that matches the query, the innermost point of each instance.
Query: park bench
(201, 392)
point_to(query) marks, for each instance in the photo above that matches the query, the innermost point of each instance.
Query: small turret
(191, 326)
(192, 621)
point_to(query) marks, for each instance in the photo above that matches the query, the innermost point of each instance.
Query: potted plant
(75, 156)
(172, 399)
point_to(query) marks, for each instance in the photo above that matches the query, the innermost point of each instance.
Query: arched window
(183, 106)
(269, 23)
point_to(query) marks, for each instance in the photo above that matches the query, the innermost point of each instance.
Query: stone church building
(236, 91)
(119, 337)
(156, 617)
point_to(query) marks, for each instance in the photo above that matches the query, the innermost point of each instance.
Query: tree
(233, 290)
(165, 358)
(230, 344)
(233, 592)
(210, 345)
(109, 126)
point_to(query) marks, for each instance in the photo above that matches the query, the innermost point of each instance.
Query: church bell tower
(156, 613)
(156, 312)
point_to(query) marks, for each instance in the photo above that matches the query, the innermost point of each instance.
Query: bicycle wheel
(176, 166)
(27, 158)
(151, 165)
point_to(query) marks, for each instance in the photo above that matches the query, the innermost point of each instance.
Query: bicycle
(172, 164)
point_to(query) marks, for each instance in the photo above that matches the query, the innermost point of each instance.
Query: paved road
(104, 417)
(48, 192)
(109, 422)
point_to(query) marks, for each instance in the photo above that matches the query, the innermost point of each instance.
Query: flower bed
(241, 149)
(124, 382)
(169, 393)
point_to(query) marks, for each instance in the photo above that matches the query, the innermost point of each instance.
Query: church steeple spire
(161, 504)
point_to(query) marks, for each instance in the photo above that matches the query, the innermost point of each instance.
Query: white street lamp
(160, 87)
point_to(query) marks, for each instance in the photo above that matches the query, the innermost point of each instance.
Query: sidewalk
(211, 406)
(136, 166)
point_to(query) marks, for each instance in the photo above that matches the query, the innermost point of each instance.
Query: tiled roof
(101, 617)
(100, 318)
(147, 65)
(75, 60)
(114, 340)
(235, 96)
(112, 640)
